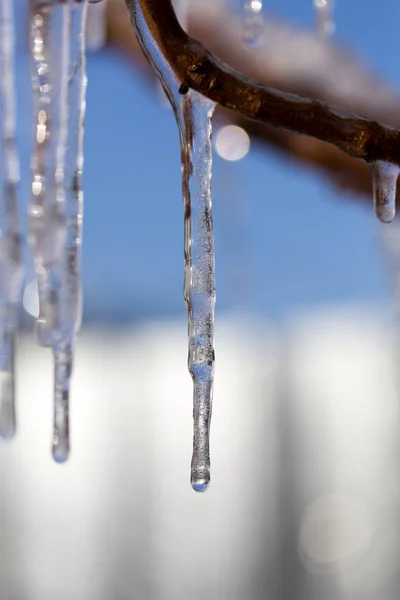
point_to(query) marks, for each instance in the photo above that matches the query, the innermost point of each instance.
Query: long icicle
(193, 113)
(70, 297)
(11, 259)
(199, 287)
(56, 210)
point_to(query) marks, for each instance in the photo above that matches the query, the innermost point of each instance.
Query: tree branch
(198, 69)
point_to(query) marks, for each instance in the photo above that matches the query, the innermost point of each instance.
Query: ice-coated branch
(200, 70)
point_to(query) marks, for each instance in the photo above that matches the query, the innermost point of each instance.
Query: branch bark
(289, 59)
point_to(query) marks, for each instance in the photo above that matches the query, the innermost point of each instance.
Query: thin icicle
(199, 289)
(384, 181)
(193, 113)
(50, 25)
(252, 21)
(70, 296)
(325, 24)
(56, 210)
(11, 261)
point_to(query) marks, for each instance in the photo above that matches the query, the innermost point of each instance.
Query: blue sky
(314, 246)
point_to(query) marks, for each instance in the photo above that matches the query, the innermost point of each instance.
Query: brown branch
(355, 89)
(197, 68)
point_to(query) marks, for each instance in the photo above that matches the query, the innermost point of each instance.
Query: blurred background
(305, 495)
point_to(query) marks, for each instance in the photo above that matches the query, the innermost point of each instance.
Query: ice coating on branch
(325, 24)
(11, 260)
(384, 181)
(193, 113)
(56, 207)
(252, 21)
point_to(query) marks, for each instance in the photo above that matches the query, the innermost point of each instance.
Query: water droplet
(200, 486)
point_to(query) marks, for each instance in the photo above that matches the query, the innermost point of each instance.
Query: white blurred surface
(304, 501)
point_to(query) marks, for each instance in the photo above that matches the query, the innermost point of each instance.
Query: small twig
(198, 69)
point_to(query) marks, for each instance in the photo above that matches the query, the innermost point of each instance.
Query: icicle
(325, 25)
(252, 21)
(11, 261)
(384, 181)
(199, 288)
(70, 297)
(193, 113)
(59, 84)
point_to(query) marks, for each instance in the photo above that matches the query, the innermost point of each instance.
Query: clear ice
(325, 24)
(56, 207)
(193, 113)
(96, 26)
(252, 21)
(50, 54)
(11, 253)
(384, 182)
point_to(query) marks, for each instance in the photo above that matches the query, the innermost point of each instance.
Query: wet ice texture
(56, 208)
(193, 113)
(11, 260)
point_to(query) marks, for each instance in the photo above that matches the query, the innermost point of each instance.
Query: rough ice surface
(193, 113)
(56, 207)
(384, 180)
(325, 24)
(11, 259)
(252, 21)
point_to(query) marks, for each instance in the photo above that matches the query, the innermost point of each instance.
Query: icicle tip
(200, 485)
(60, 455)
